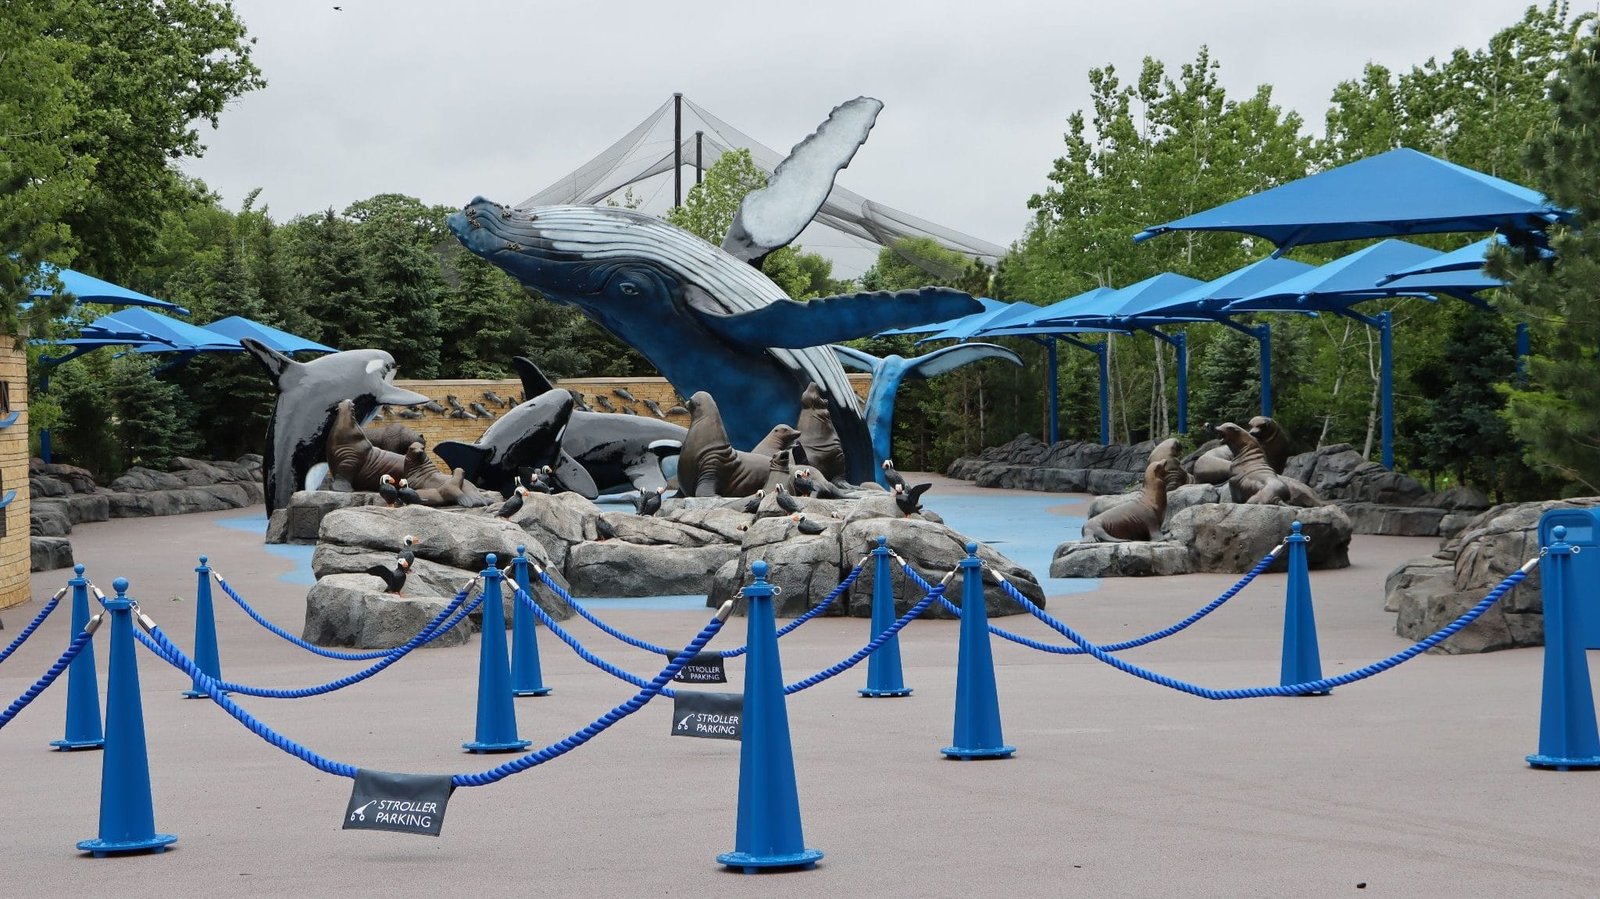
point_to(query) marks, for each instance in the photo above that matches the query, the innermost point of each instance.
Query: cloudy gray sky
(447, 100)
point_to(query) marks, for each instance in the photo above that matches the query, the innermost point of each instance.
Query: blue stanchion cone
(884, 677)
(127, 819)
(497, 714)
(206, 657)
(83, 683)
(768, 835)
(1301, 660)
(1567, 732)
(526, 677)
(977, 728)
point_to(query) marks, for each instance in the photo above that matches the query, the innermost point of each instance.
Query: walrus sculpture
(1252, 480)
(1139, 519)
(353, 462)
(708, 465)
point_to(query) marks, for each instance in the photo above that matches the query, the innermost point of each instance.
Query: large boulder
(351, 610)
(78, 479)
(1394, 521)
(620, 568)
(49, 518)
(932, 549)
(1427, 596)
(556, 522)
(1338, 472)
(1229, 537)
(50, 553)
(138, 479)
(302, 519)
(459, 538)
(1132, 559)
(82, 507)
(43, 486)
(432, 579)
(803, 567)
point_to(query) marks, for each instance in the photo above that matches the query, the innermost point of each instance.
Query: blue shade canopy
(934, 327)
(1340, 283)
(89, 289)
(157, 333)
(1030, 325)
(1463, 285)
(235, 327)
(969, 326)
(1207, 301)
(1130, 305)
(1395, 193)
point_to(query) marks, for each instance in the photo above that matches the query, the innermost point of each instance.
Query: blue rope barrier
(32, 693)
(578, 648)
(1058, 649)
(647, 646)
(427, 635)
(166, 649)
(1301, 689)
(311, 647)
(34, 624)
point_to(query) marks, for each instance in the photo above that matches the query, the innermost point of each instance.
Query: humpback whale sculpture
(889, 372)
(308, 398)
(705, 316)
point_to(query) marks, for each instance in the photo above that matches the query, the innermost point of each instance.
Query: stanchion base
(879, 694)
(536, 691)
(510, 746)
(102, 848)
(998, 752)
(750, 863)
(1557, 763)
(70, 745)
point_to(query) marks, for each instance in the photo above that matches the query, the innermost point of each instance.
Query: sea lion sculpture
(818, 446)
(780, 438)
(1274, 443)
(434, 486)
(708, 465)
(620, 452)
(1251, 480)
(780, 470)
(308, 395)
(890, 371)
(1139, 519)
(526, 436)
(353, 462)
(1167, 450)
(706, 317)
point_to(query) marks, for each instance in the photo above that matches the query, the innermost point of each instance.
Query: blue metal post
(1180, 341)
(1105, 390)
(1263, 335)
(526, 677)
(1524, 349)
(1055, 390)
(1386, 383)
(769, 833)
(83, 683)
(205, 632)
(44, 439)
(1567, 734)
(127, 819)
(497, 714)
(977, 727)
(884, 677)
(1301, 660)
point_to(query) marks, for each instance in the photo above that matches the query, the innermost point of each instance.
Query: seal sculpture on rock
(780, 438)
(1139, 519)
(1252, 480)
(708, 465)
(308, 394)
(434, 486)
(1167, 450)
(353, 462)
(705, 316)
(1274, 443)
(818, 445)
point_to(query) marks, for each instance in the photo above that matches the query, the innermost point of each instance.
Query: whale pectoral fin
(850, 357)
(791, 325)
(534, 381)
(951, 358)
(774, 215)
(273, 361)
(466, 456)
(315, 477)
(573, 476)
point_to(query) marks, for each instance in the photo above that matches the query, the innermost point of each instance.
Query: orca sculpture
(526, 436)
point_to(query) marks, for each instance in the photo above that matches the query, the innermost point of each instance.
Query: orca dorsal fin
(274, 362)
(534, 381)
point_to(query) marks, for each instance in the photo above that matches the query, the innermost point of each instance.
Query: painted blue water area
(1018, 526)
(300, 555)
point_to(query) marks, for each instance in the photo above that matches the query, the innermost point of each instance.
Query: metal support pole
(1263, 335)
(677, 150)
(1524, 349)
(1054, 390)
(1386, 383)
(699, 150)
(1105, 391)
(1180, 341)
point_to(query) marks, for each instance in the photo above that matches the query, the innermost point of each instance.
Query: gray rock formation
(458, 538)
(803, 568)
(1133, 559)
(1230, 537)
(351, 610)
(432, 579)
(50, 553)
(192, 486)
(1065, 467)
(620, 568)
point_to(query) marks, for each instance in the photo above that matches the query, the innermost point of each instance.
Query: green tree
(709, 208)
(1556, 414)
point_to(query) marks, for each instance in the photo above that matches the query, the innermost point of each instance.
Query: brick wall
(16, 556)
(437, 426)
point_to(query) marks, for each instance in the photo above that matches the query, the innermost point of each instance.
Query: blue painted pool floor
(1018, 525)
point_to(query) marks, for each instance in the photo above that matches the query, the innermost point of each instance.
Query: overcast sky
(447, 100)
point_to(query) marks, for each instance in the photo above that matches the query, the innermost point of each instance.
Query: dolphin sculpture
(890, 371)
(526, 436)
(706, 317)
(309, 394)
(620, 452)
